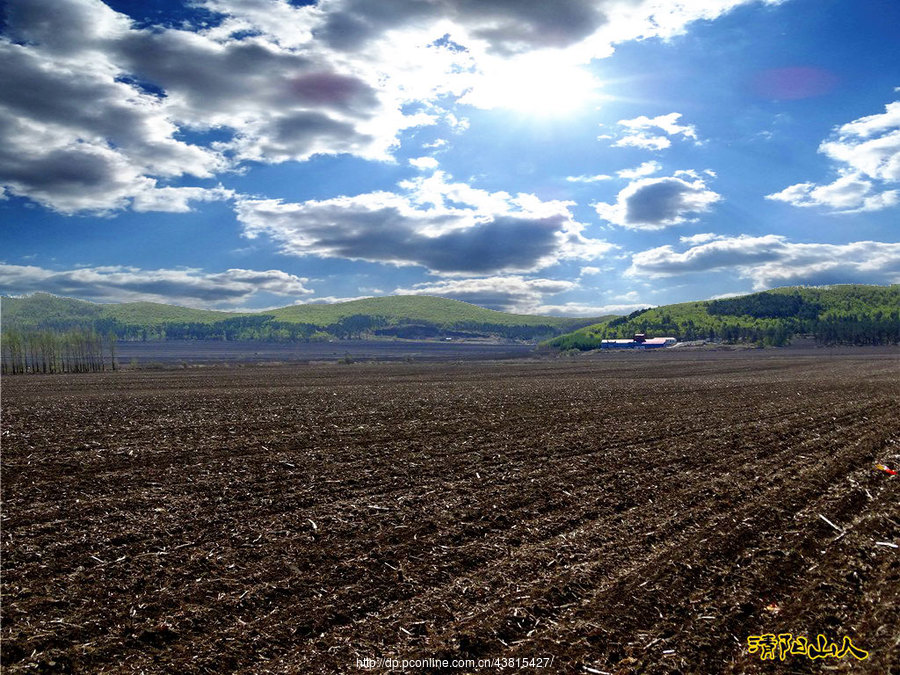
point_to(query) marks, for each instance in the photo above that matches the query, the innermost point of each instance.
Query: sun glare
(534, 87)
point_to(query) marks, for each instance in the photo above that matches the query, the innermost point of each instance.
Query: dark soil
(635, 515)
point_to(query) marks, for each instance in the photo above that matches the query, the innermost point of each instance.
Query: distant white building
(639, 341)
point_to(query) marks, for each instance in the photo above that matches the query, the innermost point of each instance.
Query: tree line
(766, 306)
(879, 328)
(74, 351)
(267, 328)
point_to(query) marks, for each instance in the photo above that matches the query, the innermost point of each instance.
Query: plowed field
(643, 514)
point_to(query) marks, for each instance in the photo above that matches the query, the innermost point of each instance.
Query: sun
(534, 85)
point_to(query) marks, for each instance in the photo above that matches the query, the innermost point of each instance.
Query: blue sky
(593, 157)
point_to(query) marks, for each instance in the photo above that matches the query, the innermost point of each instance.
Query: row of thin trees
(74, 351)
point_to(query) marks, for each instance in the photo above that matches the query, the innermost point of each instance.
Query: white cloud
(178, 199)
(500, 27)
(668, 123)
(97, 111)
(189, 287)
(725, 296)
(92, 107)
(283, 23)
(773, 260)
(850, 193)
(655, 203)
(447, 227)
(506, 293)
(519, 295)
(867, 153)
(584, 309)
(331, 299)
(639, 131)
(645, 169)
(701, 238)
(424, 163)
(874, 126)
(630, 296)
(72, 137)
(642, 140)
(588, 179)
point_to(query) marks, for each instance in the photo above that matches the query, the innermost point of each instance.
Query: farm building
(639, 341)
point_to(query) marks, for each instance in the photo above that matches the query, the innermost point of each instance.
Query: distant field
(217, 351)
(636, 514)
(209, 352)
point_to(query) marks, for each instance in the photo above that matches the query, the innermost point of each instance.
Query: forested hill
(397, 316)
(843, 314)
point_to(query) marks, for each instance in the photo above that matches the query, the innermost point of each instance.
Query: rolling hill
(842, 314)
(397, 316)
